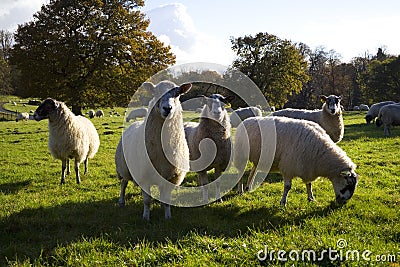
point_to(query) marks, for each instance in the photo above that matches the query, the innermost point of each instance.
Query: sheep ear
(340, 97)
(323, 98)
(184, 88)
(148, 86)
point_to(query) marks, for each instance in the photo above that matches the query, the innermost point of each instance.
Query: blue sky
(199, 30)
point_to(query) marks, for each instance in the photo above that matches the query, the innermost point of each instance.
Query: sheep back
(373, 111)
(241, 114)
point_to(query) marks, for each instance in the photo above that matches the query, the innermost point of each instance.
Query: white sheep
(329, 117)
(70, 136)
(24, 116)
(99, 113)
(374, 110)
(364, 107)
(136, 113)
(91, 113)
(215, 126)
(388, 116)
(241, 114)
(303, 149)
(155, 151)
(356, 108)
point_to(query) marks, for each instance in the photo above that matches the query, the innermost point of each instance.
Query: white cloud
(173, 25)
(14, 12)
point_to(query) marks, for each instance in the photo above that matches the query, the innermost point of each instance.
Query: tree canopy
(87, 52)
(276, 66)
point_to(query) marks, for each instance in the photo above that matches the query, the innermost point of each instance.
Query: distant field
(45, 224)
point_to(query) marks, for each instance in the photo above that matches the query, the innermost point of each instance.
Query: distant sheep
(374, 110)
(99, 113)
(136, 113)
(155, 149)
(303, 149)
(388, 116)
(91, 113)
(364, 107)
(214, 125)
(70, 136)
(22, 117)
(241, 114)
(329, 117)
(356, 108)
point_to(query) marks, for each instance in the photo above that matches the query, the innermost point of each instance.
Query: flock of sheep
(293, 142)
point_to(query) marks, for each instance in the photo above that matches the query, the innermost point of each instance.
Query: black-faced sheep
(374, 110)
(241, 114)
(155, 151)
(329, 117)
(91, 113)
(99, 113)
(71, 137)
(213, 125)
(24, 116)
(303, 149)
(388, 116)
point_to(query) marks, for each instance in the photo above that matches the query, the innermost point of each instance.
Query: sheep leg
(386, 130)
(78, 178)
(202, 181)
(146, 204)
(63, 167)
(86, 162)
(250, 180)
(68, 168)
(121, 201)
(287, 187)
(217, 174)
(309, 192)
(165, 197)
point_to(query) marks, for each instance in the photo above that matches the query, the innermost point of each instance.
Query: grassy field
(45, 224)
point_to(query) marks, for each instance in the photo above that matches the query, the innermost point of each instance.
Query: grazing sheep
(14, 103)
(70, 136)
(91, 113)
(99, 113)
(303, 149)
(389, 115)
(374, 110)
(155, 149)
(329, 117)
(241, 114)
(213, 125)
(356, 108)
(137, 113)
(22, 117)
(364, 107)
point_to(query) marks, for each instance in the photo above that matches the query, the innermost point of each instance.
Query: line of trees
(97, 52)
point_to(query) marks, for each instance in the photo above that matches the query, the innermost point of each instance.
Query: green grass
(45, 224)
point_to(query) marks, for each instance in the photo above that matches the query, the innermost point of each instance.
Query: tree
(87, 52)
(276, 66)
(5, 69)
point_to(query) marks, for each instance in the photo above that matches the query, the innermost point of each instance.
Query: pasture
(45, 224)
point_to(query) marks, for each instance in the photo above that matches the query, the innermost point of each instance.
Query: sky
(200, 30)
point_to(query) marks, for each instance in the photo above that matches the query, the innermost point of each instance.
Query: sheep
(91, 113)
(356, 108)
(214, 125)
(99, 113)
(241, 114)
(162, 136)
(374, 110)
(364, 107)
(303, 149)
(70, 136)
(389, 115)
(329, 117)
(22, 117)
(137, 113)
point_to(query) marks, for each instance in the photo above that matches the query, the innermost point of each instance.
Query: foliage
(87, 52)
(45, 224)
(5, 69)
(276, 66)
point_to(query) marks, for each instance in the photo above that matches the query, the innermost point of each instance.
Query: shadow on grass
(36, 233)
(358, 131)
(12, 188)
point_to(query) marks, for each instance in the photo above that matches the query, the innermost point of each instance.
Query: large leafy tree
(87, 52)
(5, 70)
(276, 66)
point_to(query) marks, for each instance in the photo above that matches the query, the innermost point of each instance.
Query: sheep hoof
(220, 200)
(62, 182)
(121, 204)
(283, 203)
(311, 199)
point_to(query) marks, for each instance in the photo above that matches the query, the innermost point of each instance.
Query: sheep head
(332, 104)
(166, 94)
(48, 107)
(215, 106)
(345, 185)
